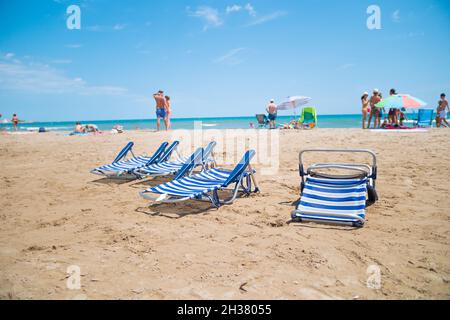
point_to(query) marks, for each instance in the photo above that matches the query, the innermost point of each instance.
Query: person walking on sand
(160, 108)
(272, 114)
(374, 99)
(15, 122)
(365, 108)
(168, 113)
(442, 111)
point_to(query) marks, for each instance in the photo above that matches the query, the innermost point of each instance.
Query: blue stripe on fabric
(345, 199)
(334, 190)
(328, 207)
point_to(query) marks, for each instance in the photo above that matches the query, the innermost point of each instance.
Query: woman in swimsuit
(15, 121)
(168, 112)
(365, 108)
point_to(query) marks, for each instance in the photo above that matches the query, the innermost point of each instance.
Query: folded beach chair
(336, 198)
(309, 116)
(205, 185)
(262, 119)
(425, 118)
(164, 168)
(123, 168)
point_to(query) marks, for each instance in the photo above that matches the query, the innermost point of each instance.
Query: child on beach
(15, 122)
(272, 114)
(402, 117)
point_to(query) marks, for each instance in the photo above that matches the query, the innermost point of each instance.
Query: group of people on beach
(394, 117)
(87, 128)
(163, 109)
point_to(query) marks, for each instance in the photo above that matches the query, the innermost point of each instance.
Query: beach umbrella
(400, 101)
(293, 102)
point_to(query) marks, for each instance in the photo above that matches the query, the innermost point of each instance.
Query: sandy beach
(56, 214)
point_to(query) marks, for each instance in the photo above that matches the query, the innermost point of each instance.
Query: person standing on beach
(272, 114)
(15, 122)
(379, 114)
(374, 99)
(443, 110)
(365, 108)
(168, 113)
(160, 108)
(393, 112)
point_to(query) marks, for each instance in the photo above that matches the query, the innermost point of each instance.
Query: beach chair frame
(122, 156)
(203, 157)
(263, 120)
(241, 180)
(360, 170)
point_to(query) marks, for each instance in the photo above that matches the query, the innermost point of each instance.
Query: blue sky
(215, 58)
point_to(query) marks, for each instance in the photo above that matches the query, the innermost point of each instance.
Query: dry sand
(55, 214)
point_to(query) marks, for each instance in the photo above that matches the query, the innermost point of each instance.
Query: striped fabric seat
(333, 200)
(125, 165)
(163, 168)
(194, 185)
(204, 186)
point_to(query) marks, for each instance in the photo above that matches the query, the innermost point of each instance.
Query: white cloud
(9, 55)
(251, 11)
(233, 8)
(267, 18)
(209, 15)
(396, 16)
(230, 57)
(236, 8)
(42, 79)
(119, 27)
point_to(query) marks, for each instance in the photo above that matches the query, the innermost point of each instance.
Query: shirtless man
(160, 108)
(272, 111)
(374, 99)
(443, 110)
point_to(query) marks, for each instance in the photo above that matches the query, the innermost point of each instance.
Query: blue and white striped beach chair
(205, 185)
(122, 168)
(336, 198)
(164, 168)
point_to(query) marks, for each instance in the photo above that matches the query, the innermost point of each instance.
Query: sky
(215, 58)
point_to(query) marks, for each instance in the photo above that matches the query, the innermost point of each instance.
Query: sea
(324, 121)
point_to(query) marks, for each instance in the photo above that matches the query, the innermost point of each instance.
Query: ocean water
(324, 121)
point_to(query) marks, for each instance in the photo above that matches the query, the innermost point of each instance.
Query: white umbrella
(294, 102)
